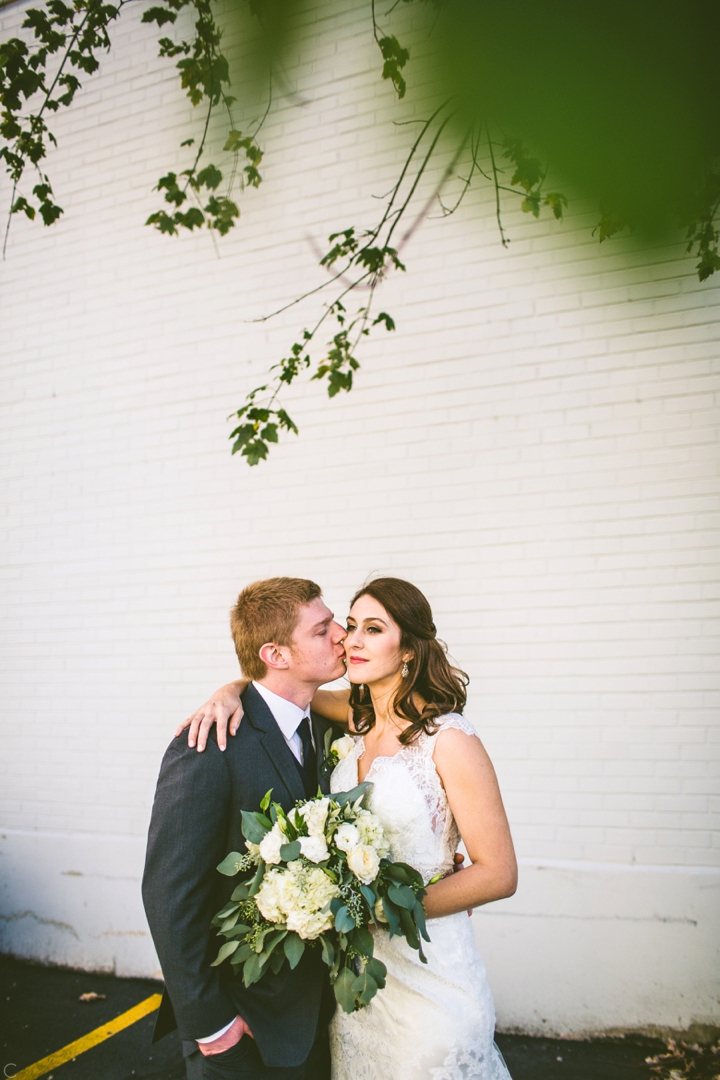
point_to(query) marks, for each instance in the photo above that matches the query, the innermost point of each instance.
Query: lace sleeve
(445, 723)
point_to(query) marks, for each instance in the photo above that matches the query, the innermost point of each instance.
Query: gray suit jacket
(196, 821)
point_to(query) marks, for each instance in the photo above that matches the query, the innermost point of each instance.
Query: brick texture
(535, 447)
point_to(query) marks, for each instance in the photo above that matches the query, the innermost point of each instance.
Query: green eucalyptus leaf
(294, 947)
(402, 895)
(343, 990)
(257, 880)
(225, 950)
(254, 827)
(230, 865)
(344, 921)
(288, 852)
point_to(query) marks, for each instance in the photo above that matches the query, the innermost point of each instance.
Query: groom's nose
(339, 633)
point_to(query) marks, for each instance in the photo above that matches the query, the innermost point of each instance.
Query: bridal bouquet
(318, 877)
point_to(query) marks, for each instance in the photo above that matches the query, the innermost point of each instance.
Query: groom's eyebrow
(324, 622)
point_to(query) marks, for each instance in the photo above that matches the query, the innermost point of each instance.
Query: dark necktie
(309, 755)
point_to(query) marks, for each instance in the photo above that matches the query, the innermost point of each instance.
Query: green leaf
(230, 865)
(328, 952)
(557, 201)
(272, 941)
(288, 852)
(224, 912)
(343, 989)
(364, 987)
(276, 962)
(252, 970)
(253, 828)
(241, 892)
(230, 922)
(419, 913)
(344, 921)
(294, 947)
(265, 801)
(245, 951)
(383, 317)
(159, 15)
(255, 452)
(257, 880)
(369, 896)
(409, 928)
(343, 797)
(209, 177)
(362, 940)
(392, 916)
(409, 875)
(377, 969)
(225, 950)
(402, 895)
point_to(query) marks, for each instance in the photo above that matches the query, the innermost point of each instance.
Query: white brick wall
(536, 447)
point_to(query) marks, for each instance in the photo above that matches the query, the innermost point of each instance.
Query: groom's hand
(231, 1038)
(459, 860)
(223, 707)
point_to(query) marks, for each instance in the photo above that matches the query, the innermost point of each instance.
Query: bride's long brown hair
(431, 677)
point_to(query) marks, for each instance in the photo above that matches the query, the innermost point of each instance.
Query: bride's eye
(374, 630)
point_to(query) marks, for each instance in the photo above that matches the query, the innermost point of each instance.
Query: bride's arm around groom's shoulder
(224, 708)
(474, 796)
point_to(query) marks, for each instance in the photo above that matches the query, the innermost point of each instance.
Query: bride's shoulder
(453, 722)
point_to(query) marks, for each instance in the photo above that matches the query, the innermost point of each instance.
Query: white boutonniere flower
(342, 747)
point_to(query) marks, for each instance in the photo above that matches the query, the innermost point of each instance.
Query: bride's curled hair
(432, 687)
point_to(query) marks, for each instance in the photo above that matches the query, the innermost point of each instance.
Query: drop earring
(405, 670)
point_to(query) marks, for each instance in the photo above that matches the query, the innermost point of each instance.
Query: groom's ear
(272, 656)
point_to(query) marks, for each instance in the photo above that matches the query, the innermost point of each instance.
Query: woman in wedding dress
(433, 785)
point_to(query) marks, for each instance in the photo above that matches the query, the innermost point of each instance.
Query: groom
(288, 643)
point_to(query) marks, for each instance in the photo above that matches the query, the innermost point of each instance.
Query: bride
(433, 785)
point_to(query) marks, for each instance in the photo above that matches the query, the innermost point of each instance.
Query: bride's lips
(356, 660)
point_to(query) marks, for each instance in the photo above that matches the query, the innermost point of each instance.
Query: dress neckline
(378, 757)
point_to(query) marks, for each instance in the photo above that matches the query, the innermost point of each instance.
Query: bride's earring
(405, 670)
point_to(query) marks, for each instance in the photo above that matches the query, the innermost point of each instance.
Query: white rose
(364, 862)
(343, 746)
(315, 815)
(314, 848)
(347, 836)
(270, 845)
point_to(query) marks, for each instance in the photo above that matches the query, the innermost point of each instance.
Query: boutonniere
(335, 751)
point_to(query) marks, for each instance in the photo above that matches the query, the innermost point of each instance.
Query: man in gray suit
(289, 644)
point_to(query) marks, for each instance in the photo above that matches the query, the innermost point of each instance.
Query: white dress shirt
(288, 717)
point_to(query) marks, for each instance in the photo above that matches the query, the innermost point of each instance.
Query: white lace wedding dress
(432, 1021)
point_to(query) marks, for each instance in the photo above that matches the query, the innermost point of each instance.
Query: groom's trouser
(243, 1062)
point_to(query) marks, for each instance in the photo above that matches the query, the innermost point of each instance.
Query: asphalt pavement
(41, 1012)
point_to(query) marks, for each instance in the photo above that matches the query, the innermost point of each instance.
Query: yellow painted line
(52, 1061)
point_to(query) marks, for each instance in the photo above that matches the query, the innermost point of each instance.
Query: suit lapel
(279, 753)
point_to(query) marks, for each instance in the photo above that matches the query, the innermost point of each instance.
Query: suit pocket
(229, 1064)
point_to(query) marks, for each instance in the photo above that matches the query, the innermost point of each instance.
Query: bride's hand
(222, 708)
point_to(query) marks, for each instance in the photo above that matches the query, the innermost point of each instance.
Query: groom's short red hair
(267, 611)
